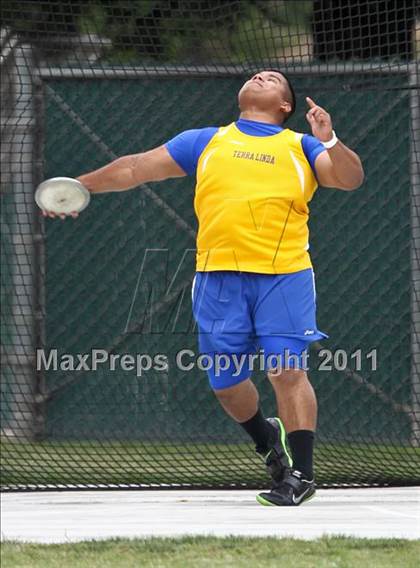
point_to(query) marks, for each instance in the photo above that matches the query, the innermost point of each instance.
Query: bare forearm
(116, 176)
(347, 166)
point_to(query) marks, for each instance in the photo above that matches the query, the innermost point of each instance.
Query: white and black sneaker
(292, 491)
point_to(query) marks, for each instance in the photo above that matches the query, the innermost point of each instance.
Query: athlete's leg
(297, 407)
(285, 321)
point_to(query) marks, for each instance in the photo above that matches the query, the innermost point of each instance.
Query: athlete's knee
(231, 393)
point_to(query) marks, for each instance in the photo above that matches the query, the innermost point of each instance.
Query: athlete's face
(267, 91)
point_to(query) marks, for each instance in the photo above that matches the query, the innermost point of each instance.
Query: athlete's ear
(285, 107)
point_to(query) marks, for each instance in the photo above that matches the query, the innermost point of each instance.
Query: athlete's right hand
(62, 216)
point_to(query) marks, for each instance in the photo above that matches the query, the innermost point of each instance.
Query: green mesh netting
(85, 82)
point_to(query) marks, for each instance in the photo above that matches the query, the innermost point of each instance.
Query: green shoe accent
(283, 435)
(267, 503)
(264, 502)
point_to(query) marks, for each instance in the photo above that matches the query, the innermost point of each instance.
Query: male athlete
(254, 286)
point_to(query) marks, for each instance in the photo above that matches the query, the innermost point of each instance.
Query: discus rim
(73, 188)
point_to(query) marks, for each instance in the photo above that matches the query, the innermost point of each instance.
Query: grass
(205, 552)
(193, 464)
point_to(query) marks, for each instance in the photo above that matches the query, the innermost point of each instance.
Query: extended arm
(130, 171)
(338, 166)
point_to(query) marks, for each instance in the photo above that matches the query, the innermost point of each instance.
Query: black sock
(260, 431)
(301, 443)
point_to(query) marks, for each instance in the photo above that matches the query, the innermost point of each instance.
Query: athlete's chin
(252, 87)
(250, 93)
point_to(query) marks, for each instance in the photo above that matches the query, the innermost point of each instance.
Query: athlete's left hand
(320, 121)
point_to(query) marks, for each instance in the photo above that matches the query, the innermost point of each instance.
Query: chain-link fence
(83, 83)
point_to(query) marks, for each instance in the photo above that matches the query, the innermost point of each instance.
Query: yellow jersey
(251, 201)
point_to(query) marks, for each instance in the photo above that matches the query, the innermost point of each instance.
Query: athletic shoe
(277, 459)
(293, 490)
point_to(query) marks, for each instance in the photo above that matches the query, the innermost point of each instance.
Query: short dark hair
(292, 96)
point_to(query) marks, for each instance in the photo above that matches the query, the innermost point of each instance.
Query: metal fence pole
(415, 249)
(18, 353)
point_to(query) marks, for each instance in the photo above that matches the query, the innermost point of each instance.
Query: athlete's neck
(259, 116)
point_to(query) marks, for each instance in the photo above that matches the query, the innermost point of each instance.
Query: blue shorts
(243, 314)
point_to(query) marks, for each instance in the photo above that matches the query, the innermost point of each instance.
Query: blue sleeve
(312, 148)
(186, 147)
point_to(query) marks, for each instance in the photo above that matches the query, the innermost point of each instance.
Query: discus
(62, 195)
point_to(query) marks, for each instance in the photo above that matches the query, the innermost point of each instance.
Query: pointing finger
(310, 102)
